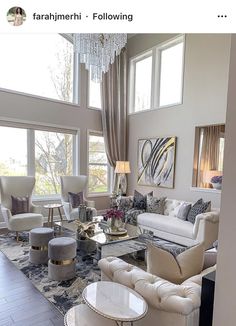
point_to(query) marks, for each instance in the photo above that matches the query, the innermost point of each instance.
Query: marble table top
(115, 301)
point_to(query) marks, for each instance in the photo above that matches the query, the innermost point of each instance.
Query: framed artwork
(156, 162)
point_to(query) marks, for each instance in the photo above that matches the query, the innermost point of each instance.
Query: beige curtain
(114, 110)
(209, 155)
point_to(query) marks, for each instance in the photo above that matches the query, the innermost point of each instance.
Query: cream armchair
(168, 304)
(19, 187)
(74, 184)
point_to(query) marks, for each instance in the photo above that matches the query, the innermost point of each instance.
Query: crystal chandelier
(97, 51)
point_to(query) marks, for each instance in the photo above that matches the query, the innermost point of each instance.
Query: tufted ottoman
(61, 264)
(38, 239)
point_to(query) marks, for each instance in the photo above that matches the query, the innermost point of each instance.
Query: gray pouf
(39, 239)
(61, 264)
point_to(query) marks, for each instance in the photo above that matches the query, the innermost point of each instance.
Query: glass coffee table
(108, 245)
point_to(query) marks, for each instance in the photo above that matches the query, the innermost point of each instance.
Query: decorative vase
(114, 223)
(216, 185)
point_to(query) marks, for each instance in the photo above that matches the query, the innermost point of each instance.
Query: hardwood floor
(21, 304)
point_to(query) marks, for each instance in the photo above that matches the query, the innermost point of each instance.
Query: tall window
(45, 154)
(171, 74)
(94, 92)
(98, 167)
(143, 79)
(156, 77)
(53, 158)
(13, 153)
(39, 64)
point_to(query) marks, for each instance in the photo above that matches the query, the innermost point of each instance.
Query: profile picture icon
(16, 16)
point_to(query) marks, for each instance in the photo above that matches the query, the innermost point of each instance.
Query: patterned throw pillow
(76, 199)
(183, 211)
(125, 203)
(155, 205)
(198, 208)
(20, 205)
(140, 201)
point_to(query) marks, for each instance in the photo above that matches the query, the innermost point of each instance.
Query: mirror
(208, 156)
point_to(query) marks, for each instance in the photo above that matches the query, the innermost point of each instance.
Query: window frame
(30, 131)
(155, 52)
(109, 168)
(75, 83)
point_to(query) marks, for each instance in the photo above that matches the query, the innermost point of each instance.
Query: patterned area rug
(63, 294)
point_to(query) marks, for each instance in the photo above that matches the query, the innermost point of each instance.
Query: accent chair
(19, 186)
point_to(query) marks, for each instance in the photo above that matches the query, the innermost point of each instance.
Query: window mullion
(30, 152)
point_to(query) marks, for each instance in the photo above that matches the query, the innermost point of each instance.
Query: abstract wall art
(156, 162)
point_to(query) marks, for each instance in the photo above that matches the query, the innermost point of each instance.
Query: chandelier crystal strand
(98, 51)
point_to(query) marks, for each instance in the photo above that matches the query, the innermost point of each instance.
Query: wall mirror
(208, 156)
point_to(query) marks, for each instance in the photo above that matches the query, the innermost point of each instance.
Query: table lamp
(122, 168)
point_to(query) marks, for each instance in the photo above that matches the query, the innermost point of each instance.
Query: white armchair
(19, 187)
(74, 184)
(169, 304)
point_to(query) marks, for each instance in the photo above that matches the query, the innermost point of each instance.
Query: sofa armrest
(36, 209)
(205, 228)
(6, 214)
(158, 293)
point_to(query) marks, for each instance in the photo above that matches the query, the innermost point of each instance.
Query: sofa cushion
(125, 203)
(168, 224)
(172, 207)
(198, 208)
(155, 205)
(140, 201)
(183, 211)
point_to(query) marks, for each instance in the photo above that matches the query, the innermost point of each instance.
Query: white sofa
(169, 304)
(169, 227)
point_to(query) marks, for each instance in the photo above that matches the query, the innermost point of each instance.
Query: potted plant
(216, 182)
(114, 218)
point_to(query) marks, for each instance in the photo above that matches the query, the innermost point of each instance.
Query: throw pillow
(75, 199)
(164, 264)
(140, 201)
(20, 205)
(125, 203)
(198, 208)
(183, 211)
(155, 205)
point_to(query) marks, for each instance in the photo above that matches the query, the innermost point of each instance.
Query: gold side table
(51, 208)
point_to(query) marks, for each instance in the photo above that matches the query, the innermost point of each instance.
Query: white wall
(204, 103)
(225, 303)
(48, 112)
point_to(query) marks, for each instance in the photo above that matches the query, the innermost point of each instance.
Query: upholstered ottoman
(38, 239)
(61, 264)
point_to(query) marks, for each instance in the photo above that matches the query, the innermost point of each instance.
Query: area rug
(63, 295)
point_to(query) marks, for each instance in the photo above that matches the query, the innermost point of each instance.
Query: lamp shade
(209, 174)
(122, 167)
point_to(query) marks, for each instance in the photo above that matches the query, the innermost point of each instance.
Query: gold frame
(137, 174)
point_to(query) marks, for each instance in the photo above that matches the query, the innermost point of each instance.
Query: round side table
(115, 301)
(51, 208)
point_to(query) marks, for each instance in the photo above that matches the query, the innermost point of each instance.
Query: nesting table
(113, 301)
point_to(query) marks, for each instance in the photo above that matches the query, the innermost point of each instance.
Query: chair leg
(17, 236)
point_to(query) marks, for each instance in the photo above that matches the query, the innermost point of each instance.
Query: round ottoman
(61, 264)
(38, 239)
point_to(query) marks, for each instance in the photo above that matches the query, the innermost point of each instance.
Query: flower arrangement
(216, 179)
(114, 213)
(114, 218)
